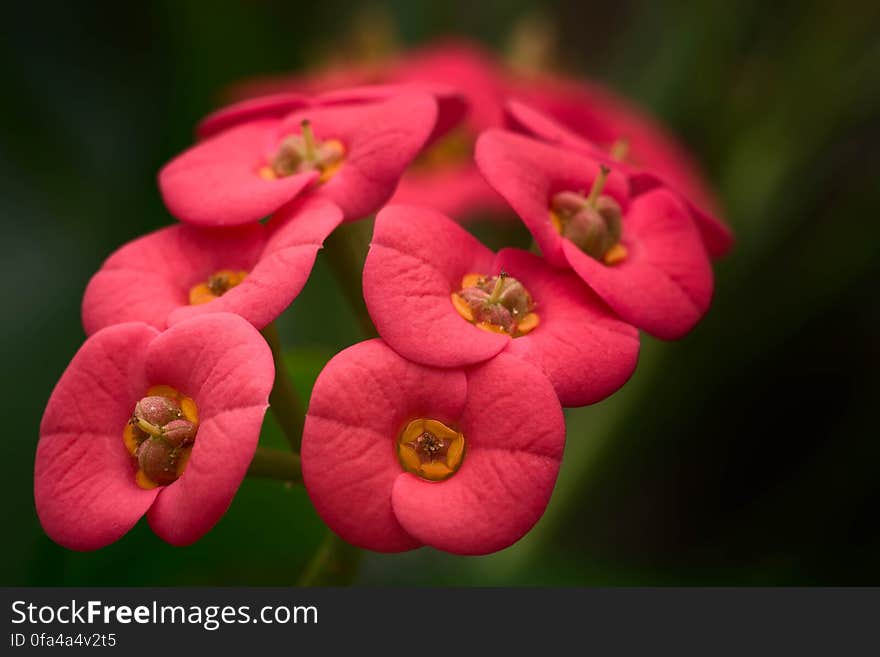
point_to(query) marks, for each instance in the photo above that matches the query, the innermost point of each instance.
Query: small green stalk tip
(309, 139)
(598, 185)
(147, 427)
(499, 286)
(620, 149)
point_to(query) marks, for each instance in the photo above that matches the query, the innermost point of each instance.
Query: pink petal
(216, 182)
(451, 105)
(527, 173)
(465, 67)
(274, 106)
(665, 284)
(381, 139)
(281, 270)
(219, 360)
(416, 260)
(457, 190)
(716, 235)
(582, 347)
(150, 277)
(225, 444)
(225, 365)
(514, 436)
(84, 487)
(524, 119)
(359, 405)
(602, 117)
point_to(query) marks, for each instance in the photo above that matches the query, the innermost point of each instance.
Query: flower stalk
(276, 464)
(283, 400)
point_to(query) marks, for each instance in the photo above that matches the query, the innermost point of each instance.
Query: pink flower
(274, 106)
(603, 118)
(396, 455)
(354, 155)
(148, 423)
(180, 271)
(642, 255)
(444, 177)
(428, 285)
(520, 117)
(451, 106)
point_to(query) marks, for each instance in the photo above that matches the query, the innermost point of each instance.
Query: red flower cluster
(448, 431)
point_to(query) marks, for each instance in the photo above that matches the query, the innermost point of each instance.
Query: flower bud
(179, 432)
(514, 297)
(587, 230)
(288, 159)
(566, 204)
(495, 313)
(611, 213)
(157, 410)
(158, 460)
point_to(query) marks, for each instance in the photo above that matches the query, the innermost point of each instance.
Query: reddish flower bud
(157, 410)
(179, 432)
(158, 459)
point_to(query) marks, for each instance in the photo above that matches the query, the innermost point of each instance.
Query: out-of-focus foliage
(746, 453)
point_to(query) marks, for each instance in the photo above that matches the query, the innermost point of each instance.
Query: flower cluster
(448, 429)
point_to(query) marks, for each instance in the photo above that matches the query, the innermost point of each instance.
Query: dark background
(747, 453)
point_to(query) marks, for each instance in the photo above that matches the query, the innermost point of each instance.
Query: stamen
(498, 304)
(309, 140)
(598, 184)
(499, 285)
(430, 449)
(619, 149)
(160, 436)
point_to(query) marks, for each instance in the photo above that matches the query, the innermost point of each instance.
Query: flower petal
(514, 437)
(416, 260)
(451, 105)
(665, 284)
(716, 235)
(527, 173)
(457, 190)
(381, 139)
(225, 443)
(273, 106)
(148, 278)
(84, 487)
(580, 344)
(216, 182)
(225, 365)
(281, 271)
(359, 405)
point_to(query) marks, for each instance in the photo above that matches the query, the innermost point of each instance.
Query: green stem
(346, 250)
(283, 400)
(334, 564)
(275, 464)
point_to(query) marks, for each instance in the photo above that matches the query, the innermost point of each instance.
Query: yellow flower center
(429, 449)
(456, 147)
(304, 152)
(498, 304)
(592, 223)
(160, 435)
(218, 284)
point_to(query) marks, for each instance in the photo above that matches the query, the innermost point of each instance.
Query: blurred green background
(747, 453)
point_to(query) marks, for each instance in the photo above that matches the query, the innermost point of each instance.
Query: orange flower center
(429, 449)
(304, 152)
(499, 304)
(160, 435)
(455, 147)
(218, 284)
(593, 223)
